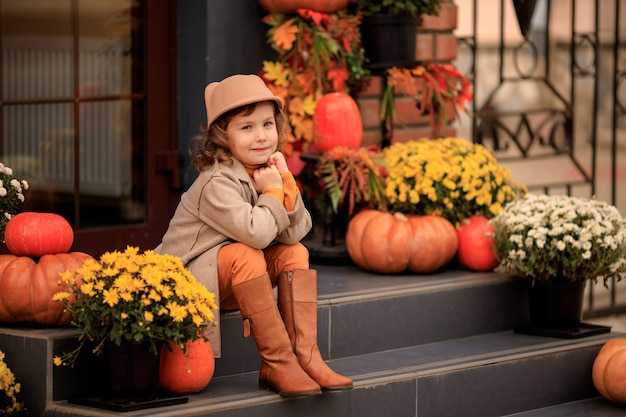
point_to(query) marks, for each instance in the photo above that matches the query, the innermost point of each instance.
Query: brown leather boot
(280, 370)
(297, 302)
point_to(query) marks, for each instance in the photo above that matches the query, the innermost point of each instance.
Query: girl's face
(254, 137)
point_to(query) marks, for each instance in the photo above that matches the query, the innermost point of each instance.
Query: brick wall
(436, 43)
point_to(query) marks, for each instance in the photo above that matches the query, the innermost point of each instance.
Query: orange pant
(238, 262)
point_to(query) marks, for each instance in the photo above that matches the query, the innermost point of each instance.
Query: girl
(238, 230)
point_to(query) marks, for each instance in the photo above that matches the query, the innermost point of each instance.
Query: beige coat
(222, 207)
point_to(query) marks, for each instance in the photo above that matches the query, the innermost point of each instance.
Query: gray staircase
(415, 345)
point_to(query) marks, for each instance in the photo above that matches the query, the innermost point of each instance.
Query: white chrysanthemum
(564, 238)
(16, 185)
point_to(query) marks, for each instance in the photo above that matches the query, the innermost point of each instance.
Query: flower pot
(133, 370)
(556, 305)
(130, 380)
(555, 310)
(389, 40)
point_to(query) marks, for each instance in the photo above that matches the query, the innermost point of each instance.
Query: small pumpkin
(475, 250)
(609, 370)
(337, 122)
(37, 234)
(189, 371)
(291, 6)
(392, 243)
(28, 285)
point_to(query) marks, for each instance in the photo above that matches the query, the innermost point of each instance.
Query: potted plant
(558, 243)
(11, 194)
(9, 389)
(135, 300)
(389, 29)
(449, 177)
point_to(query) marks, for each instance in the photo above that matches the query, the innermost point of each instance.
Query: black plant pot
(555, 310)
(389, 40)
(556, 305)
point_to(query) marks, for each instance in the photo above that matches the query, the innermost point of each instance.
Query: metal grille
(550, 100)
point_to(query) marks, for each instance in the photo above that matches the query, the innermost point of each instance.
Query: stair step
(596, 407)
(486, 375)
(360, 312)
(438, 344)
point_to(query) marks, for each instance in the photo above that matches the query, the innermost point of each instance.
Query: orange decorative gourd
(187, 372)
(392, 243)
(475, 250)
(27, 286)
(609, 370)
(37, 234)
(337, 122)
(291, 6)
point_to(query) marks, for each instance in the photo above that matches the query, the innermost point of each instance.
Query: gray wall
(216, 38)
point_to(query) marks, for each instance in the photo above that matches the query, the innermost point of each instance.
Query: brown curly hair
(211, 144)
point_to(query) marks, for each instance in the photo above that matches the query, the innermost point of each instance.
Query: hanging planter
(389, 39)
(389, 30)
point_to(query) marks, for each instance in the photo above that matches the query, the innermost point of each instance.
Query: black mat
(575, 332)
(129, 404)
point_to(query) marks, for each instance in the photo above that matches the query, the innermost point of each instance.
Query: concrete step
(360, 312)
(487, 375)
(591, 407)
(392, 334)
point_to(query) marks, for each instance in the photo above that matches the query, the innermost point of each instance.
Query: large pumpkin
(27, 286)
(475, 250)
(187, 372)
(37, 234)
(392, 243)
(609, 370)
(291, 6)
(337, 122)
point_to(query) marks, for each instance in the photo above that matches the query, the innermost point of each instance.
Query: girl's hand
(267, 177)
(277, 159)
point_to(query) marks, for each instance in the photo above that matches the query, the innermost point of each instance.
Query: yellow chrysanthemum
(451, 177)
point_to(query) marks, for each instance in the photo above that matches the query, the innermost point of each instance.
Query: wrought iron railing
(550, 100)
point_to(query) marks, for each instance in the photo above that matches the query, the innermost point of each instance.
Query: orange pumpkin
(37, 234)
(27, 287)
(337, 122)
(392, 243)
(186, 372)
(291, 6)
(609, 370)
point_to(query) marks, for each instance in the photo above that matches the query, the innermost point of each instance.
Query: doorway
(88, 115)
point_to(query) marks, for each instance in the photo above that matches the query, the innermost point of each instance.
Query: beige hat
(235, 91)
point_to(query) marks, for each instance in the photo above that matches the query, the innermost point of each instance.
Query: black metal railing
(550, 100)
